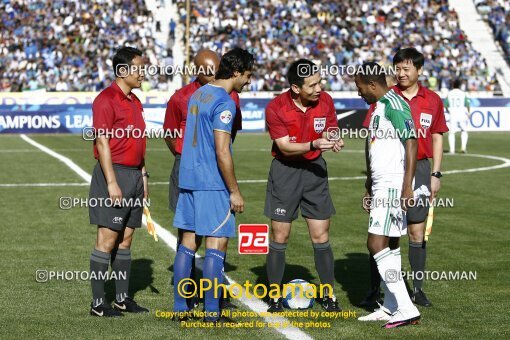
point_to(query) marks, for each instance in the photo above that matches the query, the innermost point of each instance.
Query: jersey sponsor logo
(373, 128)
(425, 120)
(253, 239)
(280, 211)
(226, 116)
(117, 220)
(319, 124)
(375, 123)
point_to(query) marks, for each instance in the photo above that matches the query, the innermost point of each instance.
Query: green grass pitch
(36, 234)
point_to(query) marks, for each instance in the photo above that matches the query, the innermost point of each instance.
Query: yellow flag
(430, 220)
(150, 224)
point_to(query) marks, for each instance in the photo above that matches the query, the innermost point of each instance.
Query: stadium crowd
(339, 33)
(66, 45)
(497, 13)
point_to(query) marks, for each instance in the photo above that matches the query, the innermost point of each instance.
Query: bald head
(206, 63)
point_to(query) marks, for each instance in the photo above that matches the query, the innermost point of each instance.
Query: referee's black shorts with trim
(130, 181)
(418, 213)
(298, 184)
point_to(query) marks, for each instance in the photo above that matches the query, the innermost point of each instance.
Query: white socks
(451, 141)
(389, 299)
(463, 140)
(389, 264)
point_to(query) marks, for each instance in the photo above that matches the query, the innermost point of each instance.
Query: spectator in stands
(64, 45)
(497, 13)
(346, 32)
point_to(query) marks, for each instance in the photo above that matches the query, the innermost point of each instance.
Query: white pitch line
(82, 173)
(505, 164)
(254, 304)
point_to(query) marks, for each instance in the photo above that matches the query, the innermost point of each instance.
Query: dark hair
(371, 71)
(300, 70)
(236, 60)
(457, 83)
(125, 56)
(410, 54)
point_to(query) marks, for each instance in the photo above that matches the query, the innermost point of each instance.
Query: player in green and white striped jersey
(391, 152)
(458, 105)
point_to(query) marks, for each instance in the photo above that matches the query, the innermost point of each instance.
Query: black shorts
(173, 192)
(418, 213)
(130, 181)
(298, 184)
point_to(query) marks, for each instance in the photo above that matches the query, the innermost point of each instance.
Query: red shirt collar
(421, 90)
(117, 89)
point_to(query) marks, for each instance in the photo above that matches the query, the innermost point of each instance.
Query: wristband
(312, 148)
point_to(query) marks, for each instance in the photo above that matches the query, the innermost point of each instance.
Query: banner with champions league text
(69, 112)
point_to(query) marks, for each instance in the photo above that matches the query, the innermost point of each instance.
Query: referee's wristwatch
(145, 174)
(437, 174)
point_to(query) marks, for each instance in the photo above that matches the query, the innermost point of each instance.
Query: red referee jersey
(112, 110)
(428, 115)
(284, 118)
(177, 109)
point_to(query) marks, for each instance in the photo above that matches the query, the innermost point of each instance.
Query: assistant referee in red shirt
(298, 121)
(428, 115)
(120, 176)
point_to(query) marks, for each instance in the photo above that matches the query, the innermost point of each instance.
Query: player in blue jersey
(209, 195)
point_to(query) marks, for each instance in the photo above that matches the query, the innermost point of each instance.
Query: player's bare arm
(437, 158)
(368, 182)
(222, 141)
(105, 159)
(410, 168)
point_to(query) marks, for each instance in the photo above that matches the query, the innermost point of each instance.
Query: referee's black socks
(121, 266)
(417, 257)
(325, 264)
(276, 262)
(99, 262)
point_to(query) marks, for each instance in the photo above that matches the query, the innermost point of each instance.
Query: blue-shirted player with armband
(209, 195)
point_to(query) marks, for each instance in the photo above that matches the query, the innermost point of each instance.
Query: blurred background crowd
(67, 45)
